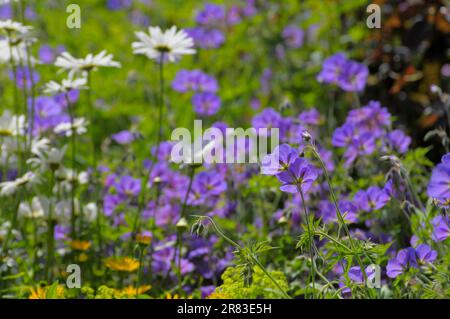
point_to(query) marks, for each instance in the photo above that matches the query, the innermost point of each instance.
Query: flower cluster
(365, 131)
(205, 101)
(349, 75)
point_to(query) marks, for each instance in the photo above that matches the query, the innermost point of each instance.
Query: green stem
(74, 173)
(334, 240)
(338, 211)
(158, 143)
(51, 233)
(16, 104)
(310, 232)
(139, 278)
(92, 120)
(179, 233)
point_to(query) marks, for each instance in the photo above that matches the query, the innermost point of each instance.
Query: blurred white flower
(67, 128)
(91, 62)
(11, 27)
(90, 212)
(48, 159)
(63, 210)
(170, 44)
(36, 209)
(65, 86)
(11, 125)
(18, 52)
(68, 177)
(2, 2)
(40, 146)
(10, 187)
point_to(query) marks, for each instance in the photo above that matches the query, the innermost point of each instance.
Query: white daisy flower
(36, 209)
(90, 212)
(170, 44)
(79, 127)
(12, 125)
(10, 187)
(11, 27)
(66, 85)
(39, 146)
(52, 159)
(63, 210)
(2, 2)
(47, 158)
(19, 52)
(91, 62)
(69, 177)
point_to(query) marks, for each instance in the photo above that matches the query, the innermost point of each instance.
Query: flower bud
(182, 224)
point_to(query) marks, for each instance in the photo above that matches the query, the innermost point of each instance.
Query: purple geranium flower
(123, 137)
(211, 14)
(374, 198)
(405, 258)
(355, 77)
(280, 160)
(118, 4)
(356, 275)
(46, 54)
(24, 77)
(439, 185)
(205, 82)
(361, 145)
(349, 75)
(310, 117)
(110, 202)
(441, 230)
(128, 186)
(399, 141)
(343, 135)
(210, 183)
(206, 103)
(206, 38)
(164, 151)
(299, 176)
(293, 36)
(268, 118)
(329, 215)
(194, 80)
(425, 254)
(332, 69)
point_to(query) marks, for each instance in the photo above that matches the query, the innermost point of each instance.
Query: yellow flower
(176, 296)
(122, 264)
(80, 244)
(41, 292)
(131, 291)
(37, 293)
(144, 239)
(82, 257)
(218, 295)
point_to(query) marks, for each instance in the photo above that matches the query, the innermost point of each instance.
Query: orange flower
(131, 291)
(41, 292)
(80, 245)
(82, 257)
(144, 239)
(122, 264)
(176, 296)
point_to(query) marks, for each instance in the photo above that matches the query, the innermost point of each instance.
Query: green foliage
(261, 286)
